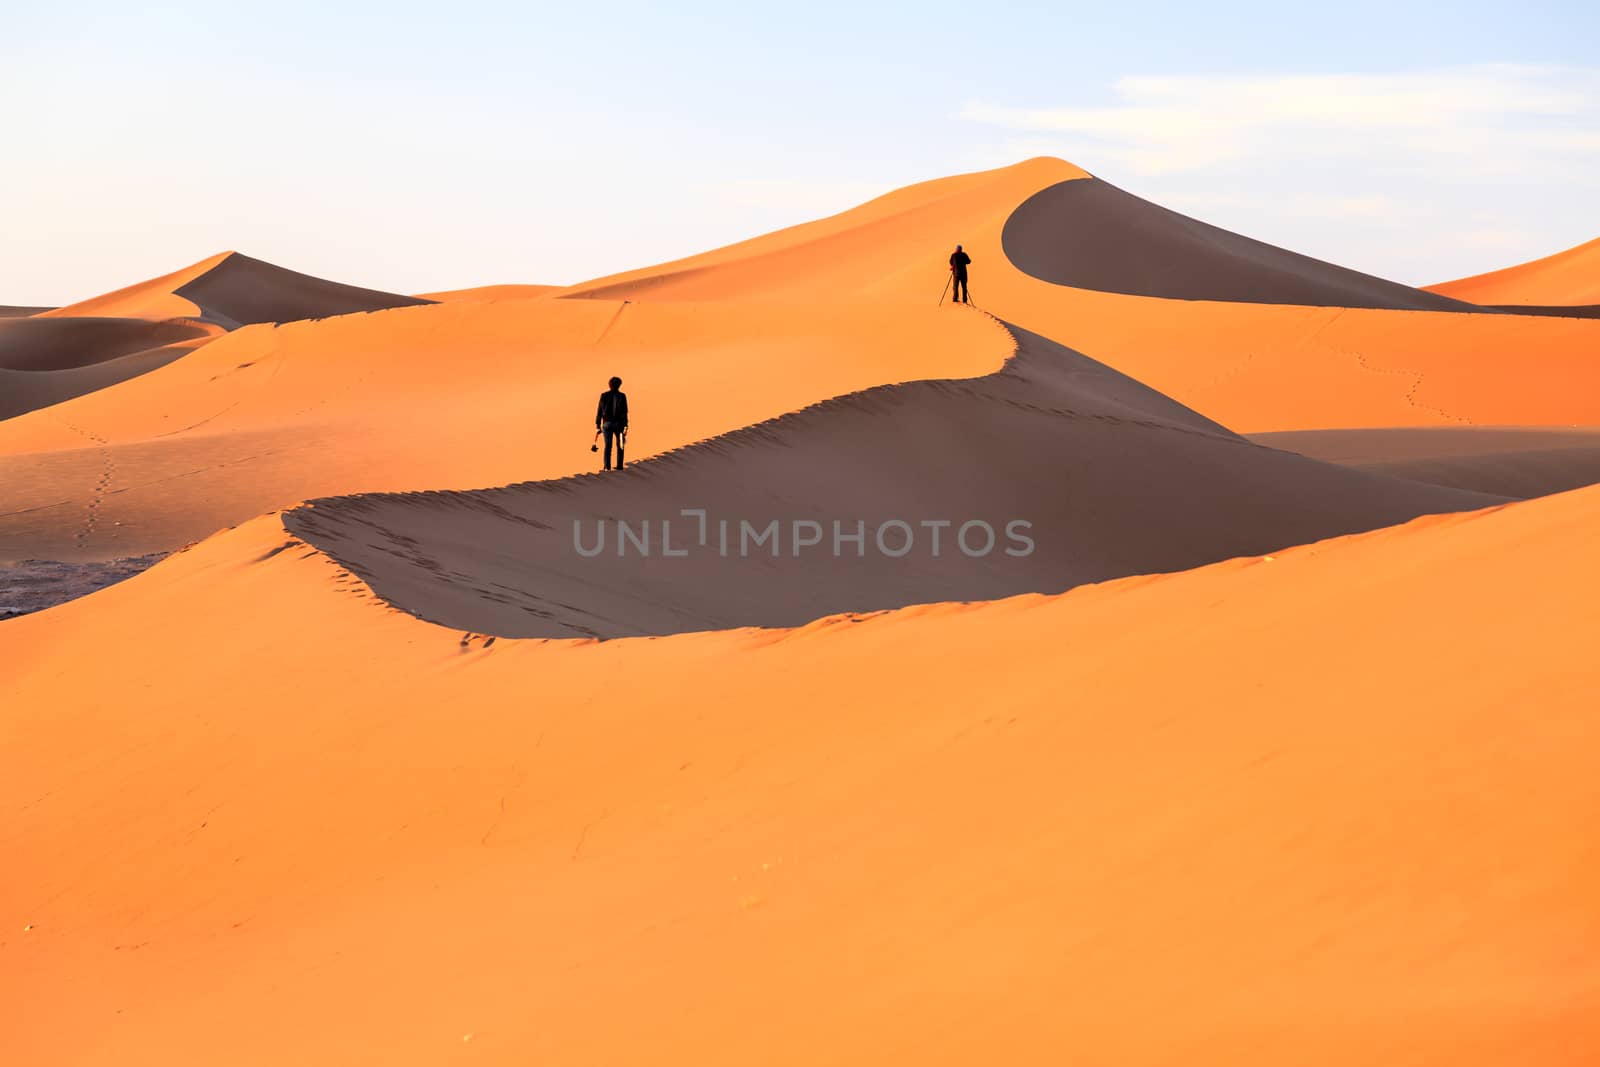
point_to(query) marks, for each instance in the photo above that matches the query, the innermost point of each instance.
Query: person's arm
(623, 398)
(599, 411)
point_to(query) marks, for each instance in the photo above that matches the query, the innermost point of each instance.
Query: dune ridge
(233, 290)
(1053, 439)
(1091, 235)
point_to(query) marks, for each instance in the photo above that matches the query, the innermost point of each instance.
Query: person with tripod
(958, 273)
(611, 417)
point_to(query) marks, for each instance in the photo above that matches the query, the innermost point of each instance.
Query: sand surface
(1299, 810)
(1331, 804)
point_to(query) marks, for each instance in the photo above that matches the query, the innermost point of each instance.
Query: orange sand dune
(1571, 278)
(1133, 484)
(44, 361)
(491, 292)
(24, 391)
(233, 290)
(1331, 808)
(1253, 367)
(441, 396)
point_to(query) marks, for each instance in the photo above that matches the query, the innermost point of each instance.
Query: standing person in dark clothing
(612, 417)
(958, 267)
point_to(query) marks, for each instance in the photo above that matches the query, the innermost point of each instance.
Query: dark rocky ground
(35, 584)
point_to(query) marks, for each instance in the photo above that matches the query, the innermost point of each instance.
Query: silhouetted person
(612, 417)
(958, 267)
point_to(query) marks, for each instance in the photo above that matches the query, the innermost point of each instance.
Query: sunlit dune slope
(233, 290)
(447, 396)
(1332, 808)
(1570, 277)
(1107, 478)
(1251, 366)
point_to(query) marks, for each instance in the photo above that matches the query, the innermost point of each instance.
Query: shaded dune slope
(1091, 235)
(44, 344)
(23, 391)
(20, 311)
(1114, 479)
(1506, 461)
(242, 290)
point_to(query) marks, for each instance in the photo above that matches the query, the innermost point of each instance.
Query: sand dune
(1111, 479)
(1324, 805)
(1090, 234)
(136, 329)
(24, 391)
(446, 396)
(1506, 461)
(1253, 367)
(18, 311)
(44, 361)
(1566, 278)
(45, 344)
(234, 290)
(1333, 808)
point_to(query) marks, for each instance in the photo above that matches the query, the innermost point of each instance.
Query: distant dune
(145, 326)
(53, 344)
(234, 290)
(17, 311)
(1566, 278)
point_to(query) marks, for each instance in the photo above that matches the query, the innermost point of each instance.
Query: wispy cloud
(1381, 171)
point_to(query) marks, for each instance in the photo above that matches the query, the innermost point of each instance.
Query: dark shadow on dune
(242, 290)
(47, 345)
(1557, 311)
(1114, 478)
(1510, 461)
(1091, 235)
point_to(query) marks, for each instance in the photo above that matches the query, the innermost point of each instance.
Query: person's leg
(961, 288)
(608, 449)
(621, 440)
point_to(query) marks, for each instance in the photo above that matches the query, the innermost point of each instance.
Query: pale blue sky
(417, 146)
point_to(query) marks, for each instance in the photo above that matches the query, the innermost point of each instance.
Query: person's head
(616, 383)
(958, 248)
